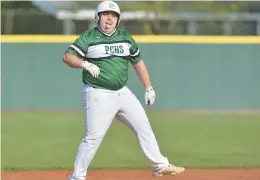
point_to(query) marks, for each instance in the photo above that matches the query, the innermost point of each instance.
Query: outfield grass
(48, 140)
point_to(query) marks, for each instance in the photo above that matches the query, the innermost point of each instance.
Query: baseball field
(41, 145)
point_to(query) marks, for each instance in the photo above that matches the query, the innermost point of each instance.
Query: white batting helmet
(107, 5)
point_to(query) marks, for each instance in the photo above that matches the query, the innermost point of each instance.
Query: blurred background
(138, 17)
(208, 75)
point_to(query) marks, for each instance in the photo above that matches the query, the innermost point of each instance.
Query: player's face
(108, 21)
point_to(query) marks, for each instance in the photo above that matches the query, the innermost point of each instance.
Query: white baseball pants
(101, 106)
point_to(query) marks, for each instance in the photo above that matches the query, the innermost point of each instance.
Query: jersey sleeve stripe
(77, 49)
(75, 44)
(135, 54)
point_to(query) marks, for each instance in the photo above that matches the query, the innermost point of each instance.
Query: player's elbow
(65, 58)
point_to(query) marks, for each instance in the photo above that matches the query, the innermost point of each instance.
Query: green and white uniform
(106, 96)
(111, 54)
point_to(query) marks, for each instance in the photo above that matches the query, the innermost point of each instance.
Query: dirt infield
(228, 174)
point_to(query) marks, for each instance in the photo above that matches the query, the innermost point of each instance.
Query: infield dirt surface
(189, 174)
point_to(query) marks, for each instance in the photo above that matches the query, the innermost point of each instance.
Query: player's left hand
(149, 96)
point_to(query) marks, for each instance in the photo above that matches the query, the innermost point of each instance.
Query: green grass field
(48, 140)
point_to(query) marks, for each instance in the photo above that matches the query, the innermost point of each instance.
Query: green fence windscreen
(185, 76)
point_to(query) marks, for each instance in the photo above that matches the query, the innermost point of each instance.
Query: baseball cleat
(167, 170)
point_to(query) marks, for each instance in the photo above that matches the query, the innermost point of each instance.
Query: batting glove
(149, 96)
(91, 68)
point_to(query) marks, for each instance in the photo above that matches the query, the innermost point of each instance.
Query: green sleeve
(135, 56)
(78, 47)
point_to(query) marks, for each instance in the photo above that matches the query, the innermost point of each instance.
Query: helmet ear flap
(97, 18)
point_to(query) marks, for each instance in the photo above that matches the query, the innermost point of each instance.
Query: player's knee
(93, 137)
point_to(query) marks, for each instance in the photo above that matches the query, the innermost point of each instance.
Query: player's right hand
(91, 68)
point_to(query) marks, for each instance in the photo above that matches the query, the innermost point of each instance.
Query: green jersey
(111, 54)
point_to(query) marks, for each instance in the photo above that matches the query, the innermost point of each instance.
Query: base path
(198, 174)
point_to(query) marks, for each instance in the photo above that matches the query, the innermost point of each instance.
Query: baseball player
(104, 53)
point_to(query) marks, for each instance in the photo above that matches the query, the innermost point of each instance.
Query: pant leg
(133, 115)
(100, 108)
